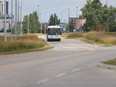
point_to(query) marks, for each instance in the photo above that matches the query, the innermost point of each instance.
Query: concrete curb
(105, 66)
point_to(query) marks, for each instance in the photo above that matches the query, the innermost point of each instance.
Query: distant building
(7, 7)
(77, 22)
(44, 25)
(1, 8)
(8, 17)
(63, 26)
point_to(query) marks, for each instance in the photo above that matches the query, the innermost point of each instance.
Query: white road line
(42, 81)
(76, 70)
(60, 75)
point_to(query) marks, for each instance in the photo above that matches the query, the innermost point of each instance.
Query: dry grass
(100, 37)
(111, 62)
(23, 42)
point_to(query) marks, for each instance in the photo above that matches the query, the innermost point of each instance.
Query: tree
(98, 17)
(71, 26)
(34, 25)
(54, 20)
(25, 24)
(92, 13)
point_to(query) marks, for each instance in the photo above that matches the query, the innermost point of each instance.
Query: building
(1, 8)
(8, 17)
(77, 22)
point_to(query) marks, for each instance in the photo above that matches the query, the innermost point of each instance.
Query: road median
(106, 66)
(24, 43)
(101, 38)
(109, 64)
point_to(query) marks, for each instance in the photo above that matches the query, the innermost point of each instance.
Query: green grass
(24, 43)
(110, 62)
(99, 37)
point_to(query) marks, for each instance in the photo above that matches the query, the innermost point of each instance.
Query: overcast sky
(48, 7)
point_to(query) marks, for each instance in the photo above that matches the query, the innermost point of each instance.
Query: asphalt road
(71, 63)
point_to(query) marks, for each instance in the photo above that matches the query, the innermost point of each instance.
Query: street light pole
(28, 24)
(68, 17)
(56, 16)
(61, 14)
(11, 18)
(21, 18)
(38, 19)
(77, 18)
(77, 11)
(107, 2)
(18, 17)
(15, 19)
(5, 31)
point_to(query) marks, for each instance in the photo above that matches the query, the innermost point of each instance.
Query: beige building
(78, 23)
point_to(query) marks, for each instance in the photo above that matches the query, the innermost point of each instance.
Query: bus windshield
(54, 31)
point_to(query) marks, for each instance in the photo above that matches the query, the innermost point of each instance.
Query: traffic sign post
(5, 32)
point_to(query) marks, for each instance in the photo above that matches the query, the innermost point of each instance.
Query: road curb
(105, 66)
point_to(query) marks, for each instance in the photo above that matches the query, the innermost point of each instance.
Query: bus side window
(60, 31)
(47, 31)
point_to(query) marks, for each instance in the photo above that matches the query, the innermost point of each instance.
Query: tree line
(99, 17)
(31, 23)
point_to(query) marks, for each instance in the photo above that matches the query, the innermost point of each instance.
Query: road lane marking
(76, 70)
(29, 63)
(60, 75)
(43, 81)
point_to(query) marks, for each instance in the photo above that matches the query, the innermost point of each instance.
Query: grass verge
(24, 43)
(97, 37)
(110, 62)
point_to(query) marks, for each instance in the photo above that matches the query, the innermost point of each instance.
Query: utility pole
(5, 31)
(21, 18)
(68, 17)
(18, 23)
(107, 2)
(61, 14)
(77, 11)
(11, 19)
(15, 19)
(38, 19)
(28, 24)
(77, 19)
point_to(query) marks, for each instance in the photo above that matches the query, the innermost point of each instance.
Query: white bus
(54, 33)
